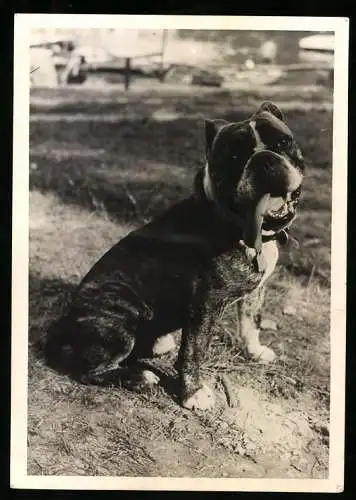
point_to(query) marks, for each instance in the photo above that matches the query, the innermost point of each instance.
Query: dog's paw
(262, 354)
(140, 380)
(202, 399)
(163, 345)
(149, 378)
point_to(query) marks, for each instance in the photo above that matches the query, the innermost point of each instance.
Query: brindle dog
(183, 268)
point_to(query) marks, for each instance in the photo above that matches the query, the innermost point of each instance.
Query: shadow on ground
(48, 300)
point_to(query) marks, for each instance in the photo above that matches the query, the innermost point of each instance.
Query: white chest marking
(259, 144)
(270, 254)
(208, 188)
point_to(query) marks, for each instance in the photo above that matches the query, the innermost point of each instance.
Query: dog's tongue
(253, 234)
(253, 230)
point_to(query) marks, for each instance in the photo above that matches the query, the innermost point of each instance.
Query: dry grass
(92, 183)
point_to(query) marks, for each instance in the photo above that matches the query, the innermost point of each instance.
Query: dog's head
(257, 159)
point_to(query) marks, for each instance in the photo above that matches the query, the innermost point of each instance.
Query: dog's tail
(57, 348)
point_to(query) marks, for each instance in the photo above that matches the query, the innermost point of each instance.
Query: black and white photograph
(179, 253)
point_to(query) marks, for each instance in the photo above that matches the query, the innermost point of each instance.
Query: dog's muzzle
(281, 218)
(273, 173)
(267, 171)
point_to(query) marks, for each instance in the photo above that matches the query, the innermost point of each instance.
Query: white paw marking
(164, 344)
(149, 377)
(202, 399)
(262, 354)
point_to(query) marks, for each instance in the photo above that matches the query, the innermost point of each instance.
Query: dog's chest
(239, 277)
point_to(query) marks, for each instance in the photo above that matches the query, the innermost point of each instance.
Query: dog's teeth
(279, 213)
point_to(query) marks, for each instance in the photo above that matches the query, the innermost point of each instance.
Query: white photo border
(23, 25)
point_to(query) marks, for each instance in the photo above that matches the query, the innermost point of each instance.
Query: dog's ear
(211, 129)
(272, 108)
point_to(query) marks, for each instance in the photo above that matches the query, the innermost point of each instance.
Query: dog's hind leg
(131, 377)
(112, 371)
(93, 350)
(249, 333)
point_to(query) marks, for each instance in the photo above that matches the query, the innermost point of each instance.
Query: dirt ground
(101, 163)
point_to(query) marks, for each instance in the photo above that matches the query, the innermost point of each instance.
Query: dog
(181, 270)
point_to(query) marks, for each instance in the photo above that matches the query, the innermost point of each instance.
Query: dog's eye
(284, 143)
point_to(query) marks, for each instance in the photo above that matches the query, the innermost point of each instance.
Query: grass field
(103, 162)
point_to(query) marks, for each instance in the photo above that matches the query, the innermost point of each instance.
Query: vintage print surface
(181, 284)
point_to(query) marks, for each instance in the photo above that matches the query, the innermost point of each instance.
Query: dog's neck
(204, 191)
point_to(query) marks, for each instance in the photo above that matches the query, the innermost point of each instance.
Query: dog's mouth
(281, 209)
(281, 212)
(277, 174)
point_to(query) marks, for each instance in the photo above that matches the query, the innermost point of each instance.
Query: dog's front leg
(196, 336)
(249, 310)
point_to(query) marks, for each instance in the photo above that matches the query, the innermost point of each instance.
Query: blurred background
(210, 58)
